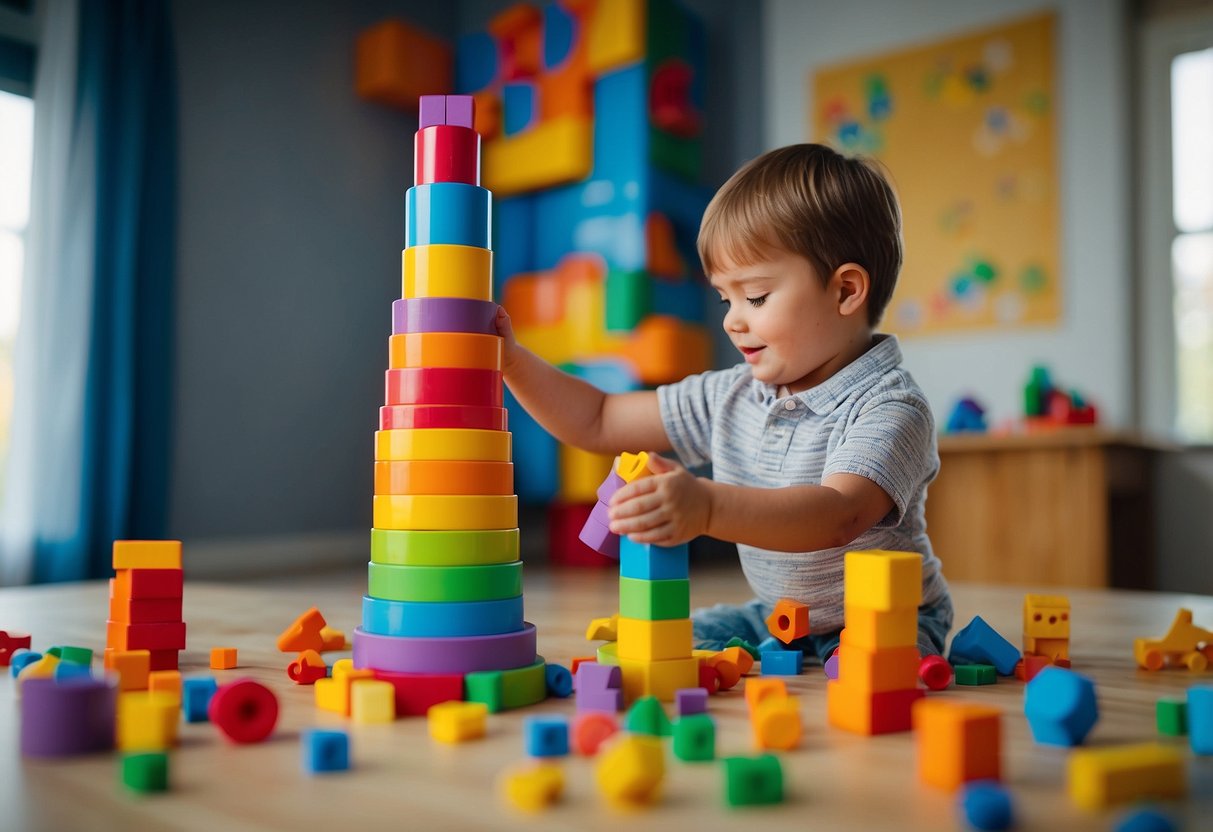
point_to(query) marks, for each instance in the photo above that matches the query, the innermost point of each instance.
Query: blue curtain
(126, 92)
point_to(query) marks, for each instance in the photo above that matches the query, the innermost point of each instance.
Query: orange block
(664, 349)
(519, 33)
(730, 674)
(534, 299)
(760, 689)
(776, 723)
(487, 116)
(223, 658)
(396, 64)
(304, 633)
(877, 671)
(872, 629)
(443, 476)
(662, 258)
(739, 657)
(165, 681)
(862, 712)
(334, 639)
(470, 350)
(957, 742)
(132, 666)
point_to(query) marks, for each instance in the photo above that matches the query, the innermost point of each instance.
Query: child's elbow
(849, 527)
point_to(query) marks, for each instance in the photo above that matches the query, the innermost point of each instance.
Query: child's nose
(734, 321)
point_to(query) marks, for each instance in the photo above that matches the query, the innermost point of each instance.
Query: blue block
(986, 805)
(325, 751)
(546, 736)
(438, 619)
(682, 299)
(770, 643)
(196, 697)
(649, 562)
(1200, 719)
(980, 643)
(1145, 820)
(450, 213)
(782, 662)
(559, 28)
(559, 681)
(1060, 706)
(475, 62)
(71, 670)
(513, 238)
(538, 480)
(21, 659)
(608, 375)
(518, 106)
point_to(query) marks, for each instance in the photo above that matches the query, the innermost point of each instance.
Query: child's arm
(674, 506)
(575, 411)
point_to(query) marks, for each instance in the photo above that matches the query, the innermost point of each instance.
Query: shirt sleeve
(687, 410)
(892, 443)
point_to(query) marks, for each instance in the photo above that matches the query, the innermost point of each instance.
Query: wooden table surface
(402, 780)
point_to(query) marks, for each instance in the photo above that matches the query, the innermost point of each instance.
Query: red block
(1031, 664)
(565, 547)
(307, 668)
(163, 660)
(244, 710)
(147, 583)
(445, 153)
(444, 385)
(935, 672)
(123, 636)
(11, 643)
(416, 693)
(404, 417)
(145, 610)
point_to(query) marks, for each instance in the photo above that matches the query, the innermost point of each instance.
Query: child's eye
(758, 301)
(725, 301)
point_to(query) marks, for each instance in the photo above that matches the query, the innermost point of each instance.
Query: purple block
(461, 110)
(61, 719)
(592, 676)
(609, 486)
(599, 538)
(452, 654)
(831, 667)
(602, 701)
(433, 111)
(689, 701)
(601, 514)
(444, 315)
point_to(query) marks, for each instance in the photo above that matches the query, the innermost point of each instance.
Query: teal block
(447, 213)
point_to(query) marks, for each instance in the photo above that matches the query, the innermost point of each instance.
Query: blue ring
(436, 619)
(447, 213)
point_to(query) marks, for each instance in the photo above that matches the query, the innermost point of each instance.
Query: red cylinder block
(445, 153)
(444, 385)
(396, 416)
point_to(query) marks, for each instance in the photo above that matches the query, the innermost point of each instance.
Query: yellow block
(552, 153)
(876, 630)
(602, 629)
(1102, 777)
(630, 769)
(632, 467)
(147, 721)
(532, 787)
(617, 35)
(658, 678)
(333, 694)
(372, 701)
(147, 554)
(546, 341)
(43, 668)
(165, 681)
(883, 581)
(654, 640)
(445, 512)
(581, 472)
(776, 723)
(447, 271)
(457, 721)
(1046, 616)
(442, 443)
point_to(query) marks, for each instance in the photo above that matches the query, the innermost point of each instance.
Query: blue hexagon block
(979, 643)
(1060, 706)
(325, 751)
(987, 805)
(546, 736)
(1145, 820)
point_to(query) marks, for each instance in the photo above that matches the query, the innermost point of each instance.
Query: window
(16, 156)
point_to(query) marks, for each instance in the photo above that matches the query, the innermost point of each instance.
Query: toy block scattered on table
(975, 674)
(532, 787)
(484, 686)
(307, 668)
(1097, 778)
(752, 781)
(332, 640)
(1171, 715)
(10, 643)
(646, 716)
(67, 670)
(416, 693)
(1027, 668)
(75, 655)
(710, 678)
(599, 687)
(1185, 644)
(372, 701)
(776, 723)
(690, 701)
(957, 742)
(196, 697)
(333, 693)
(132, 666)
(830, 666)
(739, 657)
(559, 681)
(454, 722)
(759, 690)
(147, 721)
(1061, 707)
(1200, 719)
(630, 770)
(782, 662)
(1144, 820)
(980, 643)
(590, 730)
(304, 633)
(935, 673)
(546, 736)
(789, 620)
(165, 681)
(325, 751)
(21, 660)
(223, 658)
(1046, 626)
(43, 668)
(244, 711)
(63, 719)
(737, 641)
(145, 772)
(695, 738)
(728, 674)
(987, 805)
(602, 629)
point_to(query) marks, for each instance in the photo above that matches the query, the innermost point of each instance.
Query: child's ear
(854, 283)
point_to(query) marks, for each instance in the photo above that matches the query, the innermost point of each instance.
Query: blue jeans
(713, 626)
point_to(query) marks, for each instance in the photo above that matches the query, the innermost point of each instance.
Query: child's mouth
(751, 353)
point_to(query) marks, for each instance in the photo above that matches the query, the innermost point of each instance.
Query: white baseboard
(249, 557)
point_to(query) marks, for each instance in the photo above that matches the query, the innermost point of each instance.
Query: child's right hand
(506, 330)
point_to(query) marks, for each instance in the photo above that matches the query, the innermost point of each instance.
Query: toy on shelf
(1184, 644)
(967, 416)
(1047, 406)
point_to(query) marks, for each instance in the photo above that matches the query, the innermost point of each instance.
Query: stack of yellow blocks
(878, 659)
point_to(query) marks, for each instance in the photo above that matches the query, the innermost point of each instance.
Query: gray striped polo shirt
(870, 419)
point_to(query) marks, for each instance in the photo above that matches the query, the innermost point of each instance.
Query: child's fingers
(638, 523)
(663, 535)
(633, 490)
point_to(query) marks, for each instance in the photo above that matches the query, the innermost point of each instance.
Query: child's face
(786, 324)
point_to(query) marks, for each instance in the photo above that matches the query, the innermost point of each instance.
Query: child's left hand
(667, 508)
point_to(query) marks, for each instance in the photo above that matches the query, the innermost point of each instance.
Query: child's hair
(809, 200)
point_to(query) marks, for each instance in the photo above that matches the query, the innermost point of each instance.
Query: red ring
(244, 710)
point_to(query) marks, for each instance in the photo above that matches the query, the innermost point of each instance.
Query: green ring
(445, 583)
(473, 547)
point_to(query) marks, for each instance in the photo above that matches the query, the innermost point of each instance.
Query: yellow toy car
(1184, 644)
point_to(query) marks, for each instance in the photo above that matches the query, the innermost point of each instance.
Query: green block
(1172, 717)
(668, 34)
(648, 717)
(524, 686)
(753, 781)
(976, 674)
(695, 738)
(483, 686)
(629, 298)
(146, 772)
(654, 600)
(55, 651)
(76, 655)
(676, 155)
(737, 641)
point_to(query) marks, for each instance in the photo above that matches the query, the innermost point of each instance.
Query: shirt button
(790, 404)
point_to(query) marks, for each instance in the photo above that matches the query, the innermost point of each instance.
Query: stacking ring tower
(443, 612)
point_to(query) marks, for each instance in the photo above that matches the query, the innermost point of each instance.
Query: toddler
(819, 441)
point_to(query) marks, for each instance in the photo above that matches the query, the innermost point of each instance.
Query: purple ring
(74, 716)
(459, 654)
(444, 315)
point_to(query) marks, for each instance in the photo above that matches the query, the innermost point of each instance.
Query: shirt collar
(882, 356)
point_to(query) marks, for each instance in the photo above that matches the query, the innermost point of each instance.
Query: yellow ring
(445, 349)
(445, 512)
(447, 271)
(442, 443)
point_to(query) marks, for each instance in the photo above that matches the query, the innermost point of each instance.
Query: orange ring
(445, 476)
(445, 349)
